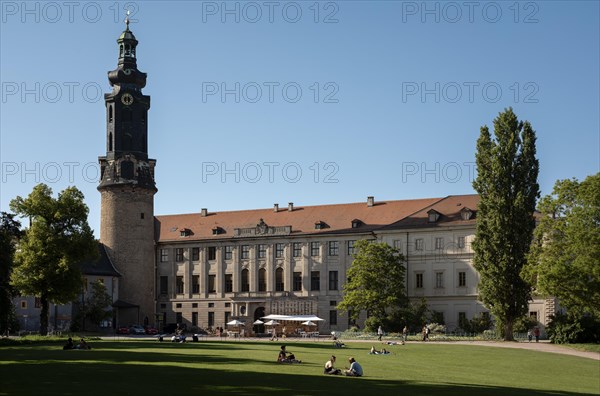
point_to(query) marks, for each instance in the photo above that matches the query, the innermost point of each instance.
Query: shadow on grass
(123, 379)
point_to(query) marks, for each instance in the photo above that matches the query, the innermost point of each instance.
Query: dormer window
(184, 232)
(319, 225)
(466, 214)
(217, 231)
(356, 223)
(433, 216)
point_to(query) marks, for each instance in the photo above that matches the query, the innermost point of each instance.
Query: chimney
(275, 208)
(290, 207)
(370, 201)
(204, 212)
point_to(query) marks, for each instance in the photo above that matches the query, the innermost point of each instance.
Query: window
(228, 252)
(245, 251)
(194, 318)
(180, 285)
(195, 254)
(178, 317)
(227, 305)
(279, 279)
(533, 315)
(334, 248)
(297, 249)
(211, 319)
(315, 280)
(245, 281)
(461, 242)
(179, 255)
(228, 283)
(279, 250)
(194, 305)
(212, 252)
(178, 305)
(164, 285)
(462, 279)
(439, 243)
(212, 280)
(333, 303)
(418, 281)
(164, 255)
(262, 280)
(351, 248)
(163, 306)
(196, 284)
(419, 244)
(23, 304)
(227, 317)
(398, 245)
(297, 281)
(333, 317)
(333, 280)
(262, 251)
(314, 249)
(439, 280)
(211, 305)
(462, 319)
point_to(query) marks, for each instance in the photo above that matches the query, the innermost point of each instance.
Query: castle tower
(127, 187)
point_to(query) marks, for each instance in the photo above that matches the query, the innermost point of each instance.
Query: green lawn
(146, 367)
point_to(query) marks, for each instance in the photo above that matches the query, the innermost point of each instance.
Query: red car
(122, 330)
(151, 331)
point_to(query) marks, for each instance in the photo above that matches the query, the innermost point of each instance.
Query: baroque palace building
(205, 269)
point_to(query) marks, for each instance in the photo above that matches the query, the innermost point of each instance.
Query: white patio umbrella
(309, 323)
(271, 323)
(235, 322)
(258, 322)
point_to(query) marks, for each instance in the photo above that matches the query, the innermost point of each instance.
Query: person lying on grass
(285, 357)
(376, 352)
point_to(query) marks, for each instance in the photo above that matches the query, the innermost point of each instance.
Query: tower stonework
(127, 188)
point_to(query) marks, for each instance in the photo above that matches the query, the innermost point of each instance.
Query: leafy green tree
(9, 234)
(375, 282)
(565, 257)
(59, 238)
(507, 171)
(96, 304)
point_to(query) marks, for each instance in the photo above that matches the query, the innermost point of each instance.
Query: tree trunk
(44, 315)
(508, 331)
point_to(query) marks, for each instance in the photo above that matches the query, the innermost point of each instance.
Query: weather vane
(127, 20)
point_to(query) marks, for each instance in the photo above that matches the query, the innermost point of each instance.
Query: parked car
(123, 330)
(137, 329)
(151, 330)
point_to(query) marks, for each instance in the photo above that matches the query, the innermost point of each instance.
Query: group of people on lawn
(355, 369)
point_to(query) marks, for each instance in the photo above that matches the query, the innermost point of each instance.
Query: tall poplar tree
(507, 171)
(59, 238)
(9, 233)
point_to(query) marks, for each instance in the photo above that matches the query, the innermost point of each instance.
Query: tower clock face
(127, 72)
(127, 99)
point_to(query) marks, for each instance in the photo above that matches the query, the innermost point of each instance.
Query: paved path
(544, 346)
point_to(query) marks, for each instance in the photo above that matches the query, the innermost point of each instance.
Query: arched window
(279, 279)
(262, 280)
(245, 281)
(110, 142)
(121, 50)
(110, 114)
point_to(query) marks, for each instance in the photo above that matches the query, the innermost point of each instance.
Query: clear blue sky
(392, 96)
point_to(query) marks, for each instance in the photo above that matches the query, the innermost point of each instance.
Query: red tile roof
(337, 219)
(449, 208)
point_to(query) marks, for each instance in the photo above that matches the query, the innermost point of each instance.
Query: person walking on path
(536, 333)
(380, 332)
(529, 335)
(405, 334)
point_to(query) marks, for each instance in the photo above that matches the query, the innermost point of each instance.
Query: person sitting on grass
(83, 345)
(284, 357)
(329, 369)
(355, 369)
(69, 344)
(376, 352)
(338, 344)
